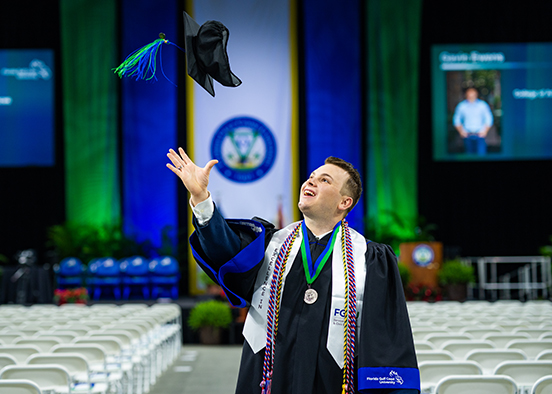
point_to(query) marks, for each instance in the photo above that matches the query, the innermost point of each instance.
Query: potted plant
(454, 277)
(209, 317)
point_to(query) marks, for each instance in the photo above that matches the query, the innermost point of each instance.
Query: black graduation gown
(302, 364)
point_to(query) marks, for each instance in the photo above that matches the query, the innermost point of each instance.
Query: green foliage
(395, 227)
(547, 249)
(405, 274)
(454, 272)
(3, 259)
(88, 242)
(210, 313)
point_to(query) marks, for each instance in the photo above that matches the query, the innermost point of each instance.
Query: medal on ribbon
(313, 270)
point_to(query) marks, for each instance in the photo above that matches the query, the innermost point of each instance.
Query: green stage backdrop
(90, 100)
(393, 45)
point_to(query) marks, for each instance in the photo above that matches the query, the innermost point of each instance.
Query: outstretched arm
(194, 178)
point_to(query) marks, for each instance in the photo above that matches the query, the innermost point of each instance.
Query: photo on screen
(482, 86)
(492, 101)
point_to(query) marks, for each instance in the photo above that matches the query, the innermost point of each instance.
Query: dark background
(480, 208)
(484, 208)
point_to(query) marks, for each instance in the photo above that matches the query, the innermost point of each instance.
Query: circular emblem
(245, 149)
(310, 296)
(423, 255)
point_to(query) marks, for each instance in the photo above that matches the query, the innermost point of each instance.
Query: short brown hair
(353, 186)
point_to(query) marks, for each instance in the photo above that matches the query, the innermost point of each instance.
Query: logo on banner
(37, 70)
(245, 149)
(423, 255)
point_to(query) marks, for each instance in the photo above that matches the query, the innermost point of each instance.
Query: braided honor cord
(349, 323)
(274, 309)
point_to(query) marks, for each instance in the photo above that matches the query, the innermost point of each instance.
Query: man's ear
(346, 203)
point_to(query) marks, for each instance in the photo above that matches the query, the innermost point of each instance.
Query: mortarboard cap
(206, 55)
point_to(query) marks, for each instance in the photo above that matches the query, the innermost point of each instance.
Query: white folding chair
(29, 331)
(19, 386)
(97, 361)
(546, 336)
(525, 373)
(431, 372)
(490, 358)
(79, 329)
(419, 333)
(43, 343)
(501, 340)
(7, 359)
(534, 333)
(61, 336)
(439, 339)
(480, 332)
(114, 361)
(8, 337)
(482, 384)
(542, 386)
(423, 345)
(20, 352)
(433, 355)
(77, 366)
(544, 355)
(510, 325)
(531, 347)
(129, 353)
(48, 377)
(460, 348)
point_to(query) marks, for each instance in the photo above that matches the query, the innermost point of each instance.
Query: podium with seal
(423, 259)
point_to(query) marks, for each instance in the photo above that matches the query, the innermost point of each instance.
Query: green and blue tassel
(142, 63)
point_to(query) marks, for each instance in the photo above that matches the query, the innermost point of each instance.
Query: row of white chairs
(481, 332)
(483, 347)
(524, 372)
(459, 345)
(138, 342)
(495, 384)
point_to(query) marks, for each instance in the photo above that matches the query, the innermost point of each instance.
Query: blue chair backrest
(165, 266)
(134, 266)
(70, 266)
(104, 267)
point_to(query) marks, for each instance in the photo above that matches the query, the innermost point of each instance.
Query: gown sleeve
(386, 356)
(231, 253)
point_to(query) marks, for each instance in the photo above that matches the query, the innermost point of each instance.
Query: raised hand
(194, 178)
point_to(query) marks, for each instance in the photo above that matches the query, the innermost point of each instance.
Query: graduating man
(327, 312)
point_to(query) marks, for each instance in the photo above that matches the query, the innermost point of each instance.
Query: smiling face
(321, 197)
(471, 95)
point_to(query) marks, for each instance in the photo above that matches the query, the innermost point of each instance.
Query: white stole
(255, 326)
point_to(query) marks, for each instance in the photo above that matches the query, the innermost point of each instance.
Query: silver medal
(310, 296)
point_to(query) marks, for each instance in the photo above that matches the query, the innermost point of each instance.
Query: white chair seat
(431, 372)
(476, 385)
(542, 386)
(19, 386)
(20, 352)
(531, 347)
(438, 340)
(47, 377)
(526, 372)
(502, 340)
(461, 348)
(433, 355)
(490, 358)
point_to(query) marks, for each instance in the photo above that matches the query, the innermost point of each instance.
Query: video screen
(492, 101)
(27, 135)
